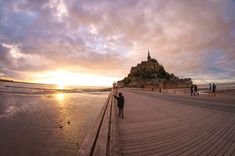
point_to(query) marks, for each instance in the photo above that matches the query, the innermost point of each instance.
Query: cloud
(190, 38)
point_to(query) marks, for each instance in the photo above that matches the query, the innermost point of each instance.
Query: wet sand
(48, 124)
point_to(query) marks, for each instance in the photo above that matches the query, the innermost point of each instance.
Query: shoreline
(9, 88)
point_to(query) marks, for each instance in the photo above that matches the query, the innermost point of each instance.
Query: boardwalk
(176, 125)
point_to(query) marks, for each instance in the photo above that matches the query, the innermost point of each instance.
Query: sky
(96, 42)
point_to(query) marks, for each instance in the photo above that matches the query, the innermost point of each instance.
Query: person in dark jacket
(213, 89)
(195, 90)
(191, 89)
(210, 89)
(120, 100)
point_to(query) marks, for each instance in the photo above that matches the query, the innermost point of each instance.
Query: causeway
(165, 124)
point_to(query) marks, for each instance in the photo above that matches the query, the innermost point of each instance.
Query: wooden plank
(114, 142)
(103, 138)
(102, 141)
(231, 150)
(157, 125)
(89, 142)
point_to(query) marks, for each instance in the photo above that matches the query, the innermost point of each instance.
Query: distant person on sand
(210, 88)
(120, 100)
(214, 89)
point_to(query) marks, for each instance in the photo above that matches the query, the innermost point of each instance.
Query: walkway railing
(102, 139)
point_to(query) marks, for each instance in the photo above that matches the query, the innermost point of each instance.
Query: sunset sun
(63, 78)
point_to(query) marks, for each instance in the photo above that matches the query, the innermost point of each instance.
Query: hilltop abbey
(151, 74)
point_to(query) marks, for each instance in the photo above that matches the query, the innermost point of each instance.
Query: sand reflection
(48, 124)
(60, 97)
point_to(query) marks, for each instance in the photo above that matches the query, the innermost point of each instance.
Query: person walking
(213, 89)
(196, 90)
(116, 90)
(192, 90)
(120, 100)
(210, 88)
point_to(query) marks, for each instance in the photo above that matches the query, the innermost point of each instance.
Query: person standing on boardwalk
(210, 88)
(191, 89)
(214, 89)
(116, 90)
(120, 100)
(196, 90)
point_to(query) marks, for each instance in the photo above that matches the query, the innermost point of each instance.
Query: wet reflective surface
(49, 124)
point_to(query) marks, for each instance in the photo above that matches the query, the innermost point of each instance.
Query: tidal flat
(47, 124)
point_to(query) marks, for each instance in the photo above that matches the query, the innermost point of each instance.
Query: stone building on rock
(151, 74)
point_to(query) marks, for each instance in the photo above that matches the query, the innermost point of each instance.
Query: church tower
(149, 57)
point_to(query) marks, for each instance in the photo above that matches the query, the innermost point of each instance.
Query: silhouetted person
(191, 90)
(214, 89)
(195, 90)
(120, 100)
(210, 89)
(116, 90)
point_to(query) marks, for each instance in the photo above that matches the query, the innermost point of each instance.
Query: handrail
(102, 139)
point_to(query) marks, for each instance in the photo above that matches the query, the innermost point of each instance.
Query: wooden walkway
(163, 124)
(176, 125)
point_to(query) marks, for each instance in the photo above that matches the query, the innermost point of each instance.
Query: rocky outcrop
(151, 74)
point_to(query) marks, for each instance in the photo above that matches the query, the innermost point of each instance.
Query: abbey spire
(149, 57)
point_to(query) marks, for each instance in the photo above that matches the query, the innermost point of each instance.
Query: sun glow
(63, 78)
(60, 86)
(59, 96)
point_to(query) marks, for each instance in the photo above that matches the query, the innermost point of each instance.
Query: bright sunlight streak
(59, 96)
(63, 78)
